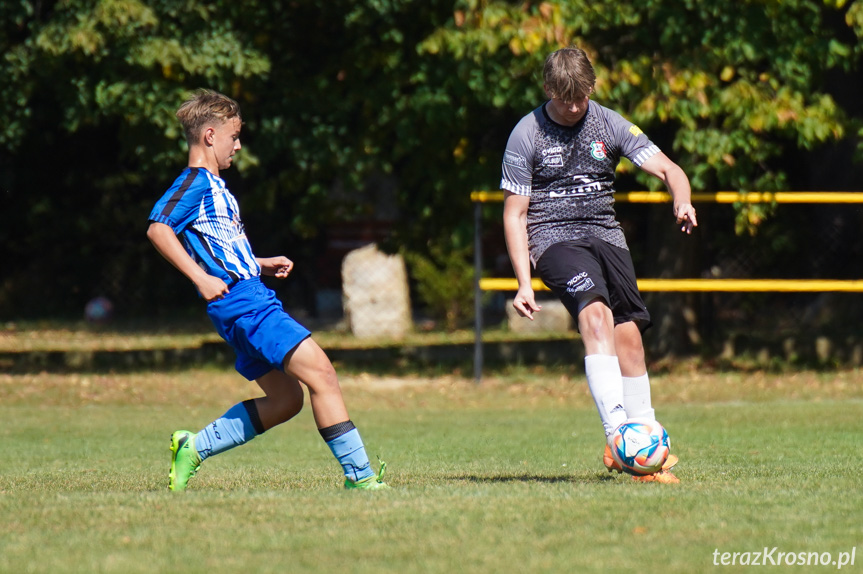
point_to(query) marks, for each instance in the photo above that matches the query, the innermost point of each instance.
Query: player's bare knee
(632, 348)
(279, 408)
(594, 327)
(290, 409)
(291, 403)
(323, 379)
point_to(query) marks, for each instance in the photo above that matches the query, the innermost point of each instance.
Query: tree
(420, 95)
(92, 92)
(736, 92)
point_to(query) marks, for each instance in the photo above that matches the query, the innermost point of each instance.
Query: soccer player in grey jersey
(558, 182)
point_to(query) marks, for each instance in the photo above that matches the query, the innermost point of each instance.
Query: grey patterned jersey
(568, 172)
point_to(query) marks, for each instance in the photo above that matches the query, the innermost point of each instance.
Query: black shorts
(582, 270)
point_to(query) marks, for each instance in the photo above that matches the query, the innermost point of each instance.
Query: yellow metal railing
(672, 285)
(718, 197)
(705, 285)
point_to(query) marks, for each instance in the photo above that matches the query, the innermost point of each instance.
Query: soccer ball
(640, 446)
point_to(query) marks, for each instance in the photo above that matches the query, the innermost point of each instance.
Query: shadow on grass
(593, 477)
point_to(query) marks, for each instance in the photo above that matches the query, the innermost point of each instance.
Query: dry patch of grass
(84, 337)
(524, 387)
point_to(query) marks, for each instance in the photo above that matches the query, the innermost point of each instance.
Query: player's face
(568, 113)
(226, 142)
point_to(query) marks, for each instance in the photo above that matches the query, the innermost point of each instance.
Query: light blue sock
(232, 429)
(349, 450)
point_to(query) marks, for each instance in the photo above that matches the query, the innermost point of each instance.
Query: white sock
(606, 386)
(636, 397)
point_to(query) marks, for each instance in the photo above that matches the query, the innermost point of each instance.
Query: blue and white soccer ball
(640, 446)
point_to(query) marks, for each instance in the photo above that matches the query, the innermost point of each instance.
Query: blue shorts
(252, 320)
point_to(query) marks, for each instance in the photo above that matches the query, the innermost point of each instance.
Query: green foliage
(750, 216)
(422, 93)
(445, 283)
(126, 60)
(93, 90)
(737, 82)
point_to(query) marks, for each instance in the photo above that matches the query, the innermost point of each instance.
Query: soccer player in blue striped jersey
(196, 226)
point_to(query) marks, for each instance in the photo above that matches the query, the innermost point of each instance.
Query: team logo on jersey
(582, 185)
(597, 150)
(239, 228)
(552, 157)
(552, 161)
(514, 159)
(635, 130)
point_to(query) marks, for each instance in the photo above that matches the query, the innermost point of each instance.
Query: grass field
(502, 477)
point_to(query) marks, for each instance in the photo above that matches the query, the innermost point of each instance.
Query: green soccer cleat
(185, 460)
(371, 482)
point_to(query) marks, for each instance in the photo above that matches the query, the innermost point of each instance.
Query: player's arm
(166, 243)
(515, 231)
(659, 165)
(279, 267)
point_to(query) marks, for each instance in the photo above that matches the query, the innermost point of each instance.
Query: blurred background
(370, 123)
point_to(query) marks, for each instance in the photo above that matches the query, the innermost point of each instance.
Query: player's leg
(310, 364)
(244, 421)
(241, 423)
(237, 426)
(636, 391)
(282, 401)
(630, 349)
(631, 318)
(636, 383)
(572, 270)
(601, 364)
(636, 394)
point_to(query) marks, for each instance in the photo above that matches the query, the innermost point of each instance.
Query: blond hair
(205, 107)
(568, 75)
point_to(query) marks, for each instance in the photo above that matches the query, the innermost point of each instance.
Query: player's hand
(212, 288)
(525, 303)
(279, 267)
(685, 215)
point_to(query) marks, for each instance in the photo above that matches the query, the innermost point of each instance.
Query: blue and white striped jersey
(206, 218)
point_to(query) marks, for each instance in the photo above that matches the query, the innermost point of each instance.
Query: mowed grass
(502, 477)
